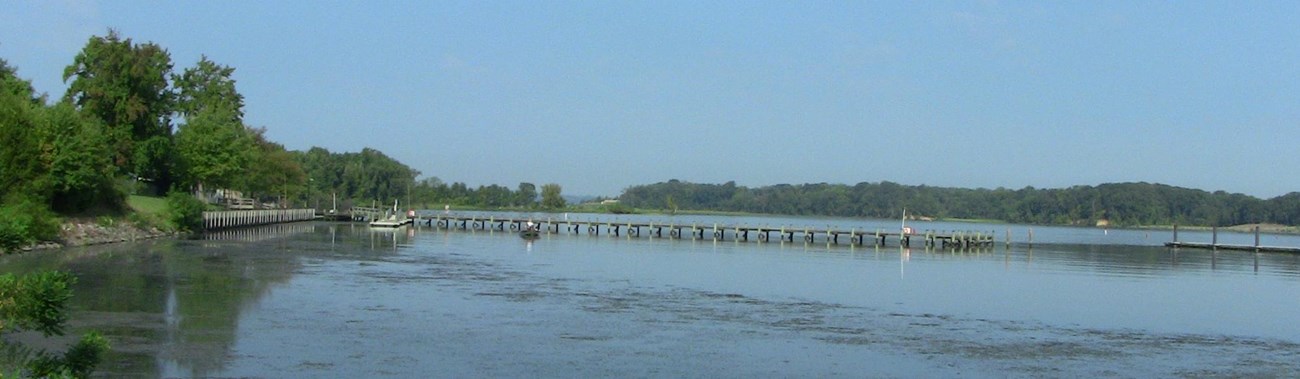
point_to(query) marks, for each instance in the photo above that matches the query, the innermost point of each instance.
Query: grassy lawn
(147, 204)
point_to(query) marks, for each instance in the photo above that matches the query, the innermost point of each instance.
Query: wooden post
(1214, 236)
(1175, 233)
(1256, 237)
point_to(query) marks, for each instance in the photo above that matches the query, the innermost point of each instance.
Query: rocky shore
(75, 232)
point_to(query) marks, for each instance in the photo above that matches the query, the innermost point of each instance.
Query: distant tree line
(370, 177)
(1125, 204)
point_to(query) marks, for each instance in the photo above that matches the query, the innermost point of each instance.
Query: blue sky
(601, 95)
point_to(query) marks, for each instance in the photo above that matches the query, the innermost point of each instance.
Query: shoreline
(85, 232)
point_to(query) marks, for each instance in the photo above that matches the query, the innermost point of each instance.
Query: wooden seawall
(716, 231)
(234, 219)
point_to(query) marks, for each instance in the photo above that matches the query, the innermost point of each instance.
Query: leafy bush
(77, 362)
(619, 209)
(38, 302)
(35, 301)
(24, 221)
(185, 211)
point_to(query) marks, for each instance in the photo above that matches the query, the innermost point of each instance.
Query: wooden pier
(1220, 246)
(717, 232)
(1215, 245)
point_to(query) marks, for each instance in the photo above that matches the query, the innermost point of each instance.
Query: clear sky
(601, 95)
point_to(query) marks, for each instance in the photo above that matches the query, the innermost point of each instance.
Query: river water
(344, 300)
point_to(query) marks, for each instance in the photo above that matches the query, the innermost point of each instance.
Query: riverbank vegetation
(1117, 204)
(132, 126)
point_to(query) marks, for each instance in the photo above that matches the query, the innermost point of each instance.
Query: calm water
(338, 300)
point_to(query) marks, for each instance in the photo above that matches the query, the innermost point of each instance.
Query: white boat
(390, 222)
(393, 220)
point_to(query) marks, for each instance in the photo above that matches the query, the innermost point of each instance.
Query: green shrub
(185, 211)
(619, 209)
(38, 302)
(23, 222)
(35, 301)
(77, 362)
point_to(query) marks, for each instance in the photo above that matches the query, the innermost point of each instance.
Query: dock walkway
(717, 232)
(1215, 245)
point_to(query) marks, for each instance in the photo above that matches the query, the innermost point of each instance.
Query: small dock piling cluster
(718, 232)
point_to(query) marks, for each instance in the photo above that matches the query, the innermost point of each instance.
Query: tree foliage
(24, 220)
(38, 302)
(213, 149)
(363, 177)
(124, 85)
(185, 211)
(1118, 203)
(526, 196)
(208, 87)
(551, 198)
(18, 134)
(75, 157)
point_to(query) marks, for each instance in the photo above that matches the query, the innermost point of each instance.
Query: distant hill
(1119, 204)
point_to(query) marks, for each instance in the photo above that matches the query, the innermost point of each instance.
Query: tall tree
(18, 126)
(527, 195)
(11, 84)
(75, 156)
(551, 198)
(212, 149)
(213, 145)
(125, 86)
(208, 86)
(273, 172)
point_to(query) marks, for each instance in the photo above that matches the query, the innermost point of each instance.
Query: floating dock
(717, 232)
(390, 223)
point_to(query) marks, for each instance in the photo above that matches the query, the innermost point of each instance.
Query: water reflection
(261, 233)
(226, 305)
(171, 307)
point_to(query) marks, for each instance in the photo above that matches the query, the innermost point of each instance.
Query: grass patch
(148, 205)
(148, 211)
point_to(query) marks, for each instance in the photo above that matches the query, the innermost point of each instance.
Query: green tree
(19, 170)
(551, 198)
(213, 145)
(273, 172)
(11, 84)
(124, 85)
(75, 158)
(208, 86)
(526, 196)
(213, 148)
